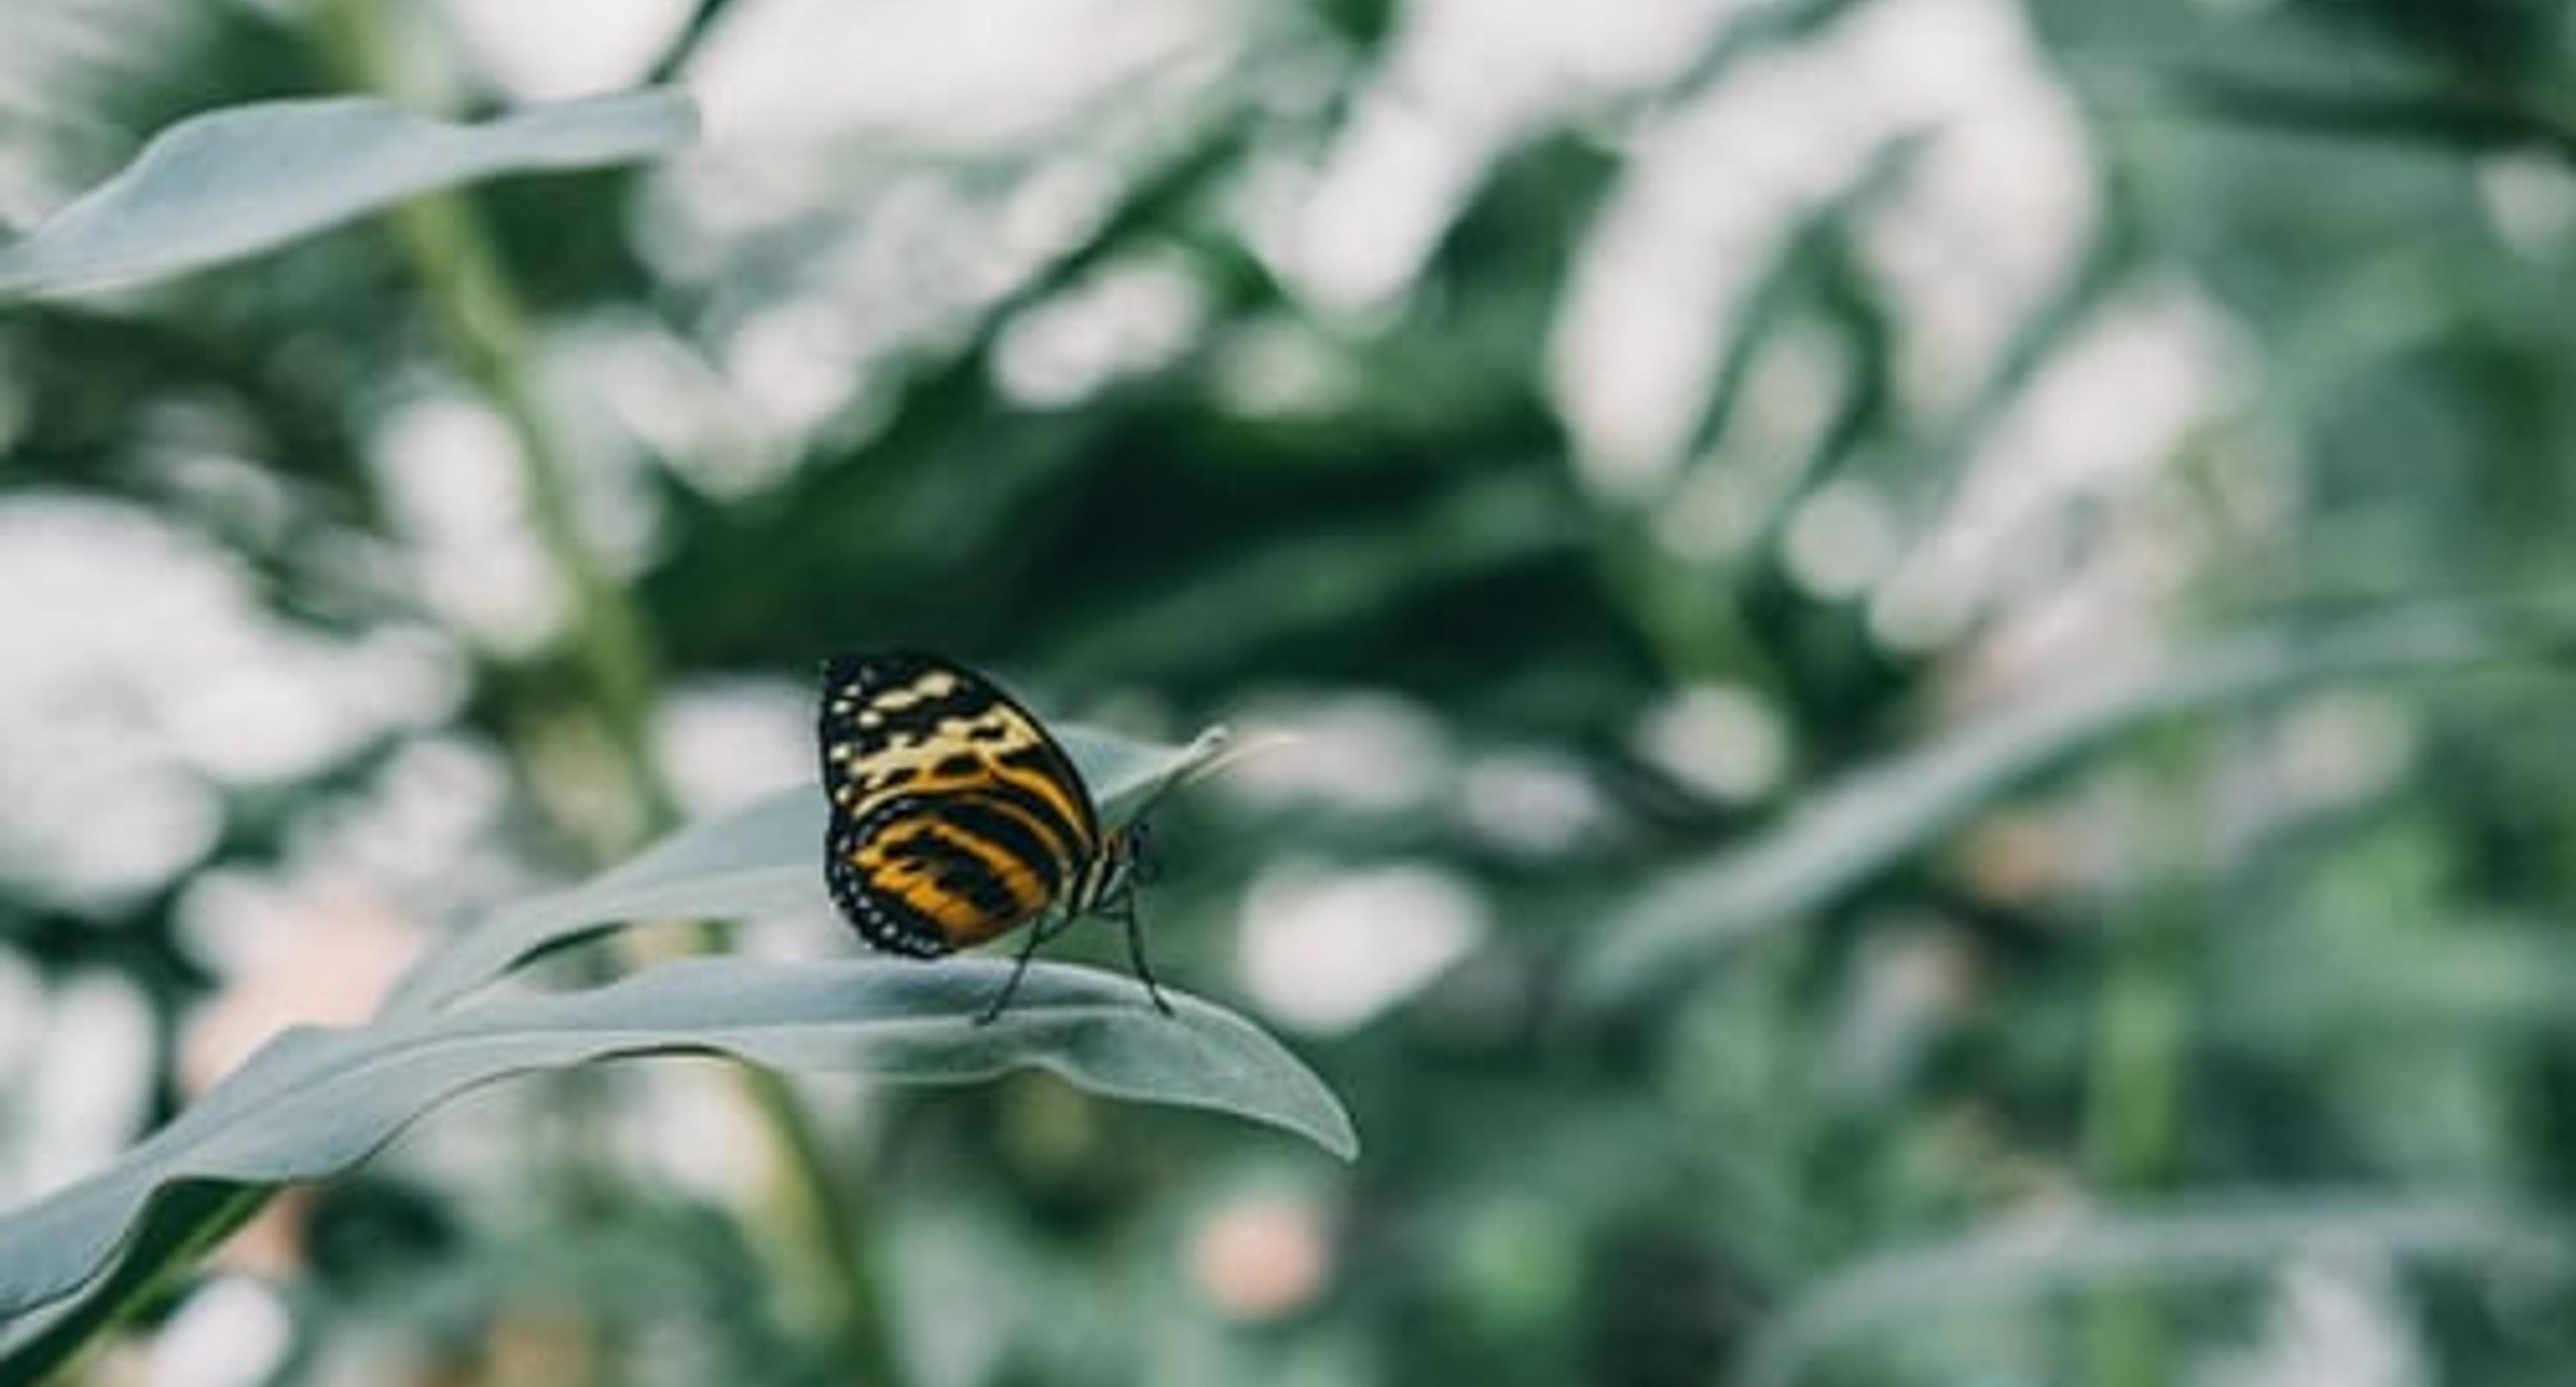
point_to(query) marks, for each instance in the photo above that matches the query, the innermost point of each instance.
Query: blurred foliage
(2311, 943)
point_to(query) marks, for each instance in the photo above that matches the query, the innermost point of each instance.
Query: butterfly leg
(1038, 934)
(1136, 956)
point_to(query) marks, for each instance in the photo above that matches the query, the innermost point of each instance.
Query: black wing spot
(989, 817)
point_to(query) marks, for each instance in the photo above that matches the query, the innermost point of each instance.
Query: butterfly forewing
(955, 817)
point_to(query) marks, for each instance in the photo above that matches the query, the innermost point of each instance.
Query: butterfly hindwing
(942, 872)
(955, 817)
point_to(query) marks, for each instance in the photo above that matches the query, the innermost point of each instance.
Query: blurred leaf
(2188, 1243)
(765, 858)
(244, 179)
(314, 1101)
(325, 1100)
(180, 1223)
(1842, 835)
(2438, 115)
(1332, 581)
(2468, 39)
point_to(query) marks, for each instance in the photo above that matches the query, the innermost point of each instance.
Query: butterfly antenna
(1229, 754)
(1213, 751)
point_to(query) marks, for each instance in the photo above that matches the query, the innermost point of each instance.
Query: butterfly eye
(1143, 867)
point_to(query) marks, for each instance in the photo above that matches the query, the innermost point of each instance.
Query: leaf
(319, 1101)
(244, 179)
(1842, 835)
(181, 1224)
(2427, 110)
(765, 858)
(2196, 1242)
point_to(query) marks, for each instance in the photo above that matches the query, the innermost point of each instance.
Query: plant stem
(482, 326)
(863, 1343)
(2133, 1125)
(691, 38)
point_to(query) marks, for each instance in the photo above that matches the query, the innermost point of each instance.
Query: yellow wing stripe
(969, 904)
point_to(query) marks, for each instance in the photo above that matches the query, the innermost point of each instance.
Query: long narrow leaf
(1848, 832)
(179, 1225)
(244, 179)
(327, 1099)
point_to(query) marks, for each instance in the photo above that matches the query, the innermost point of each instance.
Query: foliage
(313, 1102)
(1926, 638)
(236, 182)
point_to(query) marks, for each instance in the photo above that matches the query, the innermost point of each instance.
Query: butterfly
(956, 818)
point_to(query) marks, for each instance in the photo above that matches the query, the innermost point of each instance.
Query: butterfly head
(1124, 863)
(1144, 868)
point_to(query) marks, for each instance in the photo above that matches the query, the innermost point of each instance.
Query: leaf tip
(1344, 1140)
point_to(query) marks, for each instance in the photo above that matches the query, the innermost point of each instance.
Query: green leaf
(312, 1102)
(320, 1101)
(1842, 835)
(244, 179)
(765, 858)
(180, 1224)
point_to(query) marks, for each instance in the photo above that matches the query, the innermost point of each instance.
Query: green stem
(483, 330)
(862, 1341)
(691, 38)
(482, 326)
(2133, 1126)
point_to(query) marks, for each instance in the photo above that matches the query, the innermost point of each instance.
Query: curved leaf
(764, 858)
(180, 1224)
(320, 1101)
(244, 179)
(1840, 836)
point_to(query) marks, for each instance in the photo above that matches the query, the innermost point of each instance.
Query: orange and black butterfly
(956, 818)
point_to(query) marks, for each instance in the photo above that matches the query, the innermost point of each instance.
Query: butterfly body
(955, 816)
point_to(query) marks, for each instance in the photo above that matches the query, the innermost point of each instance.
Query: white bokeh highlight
(1722, 740)
(1990, 215)
(2161, 361)
(139, 674)
(1327, 950)
(562, 49)
(85, 1087)
(234, 1332)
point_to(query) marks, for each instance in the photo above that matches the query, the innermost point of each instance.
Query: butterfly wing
(954, 816)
